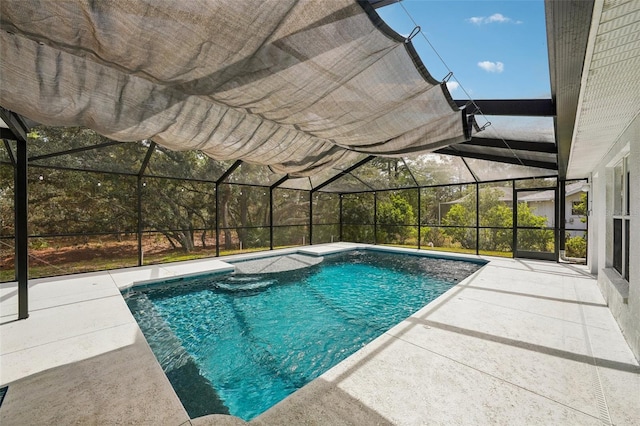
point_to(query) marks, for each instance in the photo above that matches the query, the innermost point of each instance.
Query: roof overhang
(609, 89)
(567, 33)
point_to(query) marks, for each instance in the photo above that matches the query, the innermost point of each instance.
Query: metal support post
(271, 218)
(375, 218)
(139, 207)
(22, 236)
(310, 218)
(419, 218)
(141, 172)
(514, 221)
(477, 218)
(340, 226)
(559, 228)
(217, 219)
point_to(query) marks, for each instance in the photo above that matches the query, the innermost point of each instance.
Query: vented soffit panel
(296, 85)
(610, 87)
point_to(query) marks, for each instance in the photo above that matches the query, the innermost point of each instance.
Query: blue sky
(496, 49)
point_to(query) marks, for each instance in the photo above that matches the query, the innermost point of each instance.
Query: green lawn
(102, 264)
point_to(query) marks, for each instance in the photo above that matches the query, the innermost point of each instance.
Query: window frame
(621, 218)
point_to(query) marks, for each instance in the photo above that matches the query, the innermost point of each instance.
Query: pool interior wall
(197, 391)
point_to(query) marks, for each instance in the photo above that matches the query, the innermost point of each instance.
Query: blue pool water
(239, 344)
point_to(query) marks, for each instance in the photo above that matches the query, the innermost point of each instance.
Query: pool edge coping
(227, 266)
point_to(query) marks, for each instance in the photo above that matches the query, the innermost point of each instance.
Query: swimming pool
(240, 343)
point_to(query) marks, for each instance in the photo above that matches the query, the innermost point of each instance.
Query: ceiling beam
(15, 123)
(7, 146)
(514, 107)
(343, 172)
(147, 158)
(507, 159)
(376, 4)
(7, 134)
(76, 150)
(228, 172)
(545, 147)
(280, 181)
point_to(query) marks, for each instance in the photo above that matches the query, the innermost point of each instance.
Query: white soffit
(610, 89)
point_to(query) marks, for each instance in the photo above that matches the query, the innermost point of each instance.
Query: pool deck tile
(79, 358)
(518, 342)
(148, 274)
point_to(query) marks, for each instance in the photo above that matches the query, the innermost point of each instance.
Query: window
(621, 217)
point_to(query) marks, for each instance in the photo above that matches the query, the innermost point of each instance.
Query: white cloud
(489, 66)
(496, 17)
(452, 85)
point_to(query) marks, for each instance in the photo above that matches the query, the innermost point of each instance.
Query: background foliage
(84, 212)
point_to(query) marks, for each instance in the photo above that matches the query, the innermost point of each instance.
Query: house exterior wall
(544, 208)
(622, 296)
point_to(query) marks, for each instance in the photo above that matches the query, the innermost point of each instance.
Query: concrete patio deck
(519, 342)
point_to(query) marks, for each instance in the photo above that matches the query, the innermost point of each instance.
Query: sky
(496, 49)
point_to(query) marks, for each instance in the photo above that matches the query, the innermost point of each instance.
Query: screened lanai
(191, 181)
(153, 144)
(316, 123)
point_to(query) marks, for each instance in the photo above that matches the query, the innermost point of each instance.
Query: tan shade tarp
(297, 85)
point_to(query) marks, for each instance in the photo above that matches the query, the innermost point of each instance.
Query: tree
(357, 217)
(495, 216)
(178, 209)
(291, 215)
(496, 238)
(393, 217)
(496, 219)
(64, 201)
(6, 200)
(459, 217)
(386, 173)
(326, 217)
(533, 239)
(580, 209)
(88, 201)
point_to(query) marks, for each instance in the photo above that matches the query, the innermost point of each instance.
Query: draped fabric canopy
(294, 84)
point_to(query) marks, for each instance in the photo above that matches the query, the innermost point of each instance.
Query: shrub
(576, 247)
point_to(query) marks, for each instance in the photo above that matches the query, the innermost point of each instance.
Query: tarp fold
(296, 85)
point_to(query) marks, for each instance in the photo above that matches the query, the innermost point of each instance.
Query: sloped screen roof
(297, 85)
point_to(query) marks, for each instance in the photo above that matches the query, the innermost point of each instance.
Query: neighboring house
(506, 197)
(541, 203)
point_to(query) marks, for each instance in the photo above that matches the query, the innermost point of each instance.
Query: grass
(455, 250)
(54, 268)
(40, 271)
